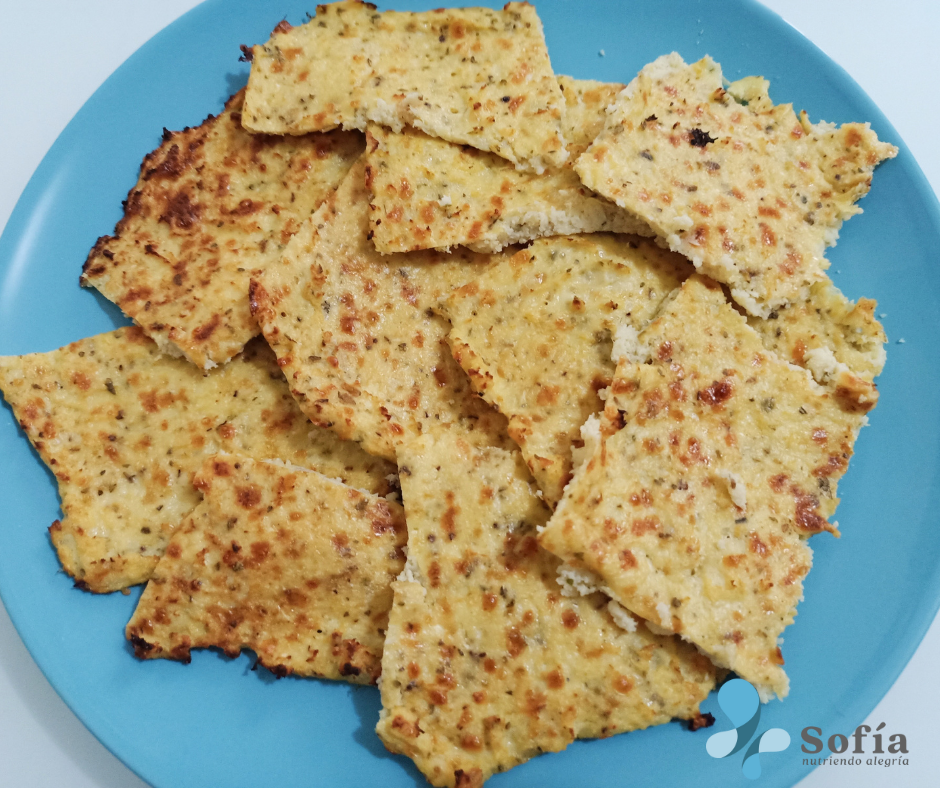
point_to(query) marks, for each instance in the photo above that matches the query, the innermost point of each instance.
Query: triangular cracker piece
(486, 662)
(839, 342)
(748, 191)
(535, 335)
(212, 204)
(284, 561)
(354, 333)
(469, 75)
(713, 461)
(124, 428)
(432, 194)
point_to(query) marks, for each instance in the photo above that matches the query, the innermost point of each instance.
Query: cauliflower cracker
(124, 428)
(213, 203)
(748, 191)
(715, 460)
(431, 194)
(486, 663)
(839, 342)
(284, 561)
(535, 334)
(354, 332)
(469, 75)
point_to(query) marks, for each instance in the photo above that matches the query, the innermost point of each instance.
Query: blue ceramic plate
(869, 598)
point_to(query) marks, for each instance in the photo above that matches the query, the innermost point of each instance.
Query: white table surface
(890, 48)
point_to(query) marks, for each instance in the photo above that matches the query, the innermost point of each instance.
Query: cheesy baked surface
(431, 194)
(584, 329)
(839, 342)
(124, 428)
(713, 460)
(486, 663)
(750, 192)
(473, 76)
(354, 332)
(213, 203)
(280, 560)
(535, 334)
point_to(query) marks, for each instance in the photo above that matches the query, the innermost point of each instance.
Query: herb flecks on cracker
(431, 194)
(749, 191)
(473, 76)
(838, 341)
(486, 662)
(354, 332)
(280, 560)
(124, 428)
(213, 203)
(536, 333)
(713, 461)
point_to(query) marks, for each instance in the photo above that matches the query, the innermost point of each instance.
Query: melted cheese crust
(431, 194)
(472, 75)
(284, 561)
(486, 663)
(839, 342)
(535, 335)
(748, 191)
(354, 332)
(717, 459)
(124, 429)
(213, 203)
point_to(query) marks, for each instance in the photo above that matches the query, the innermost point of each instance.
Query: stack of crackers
(550, 392)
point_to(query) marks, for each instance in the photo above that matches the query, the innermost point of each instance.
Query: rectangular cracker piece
(748, 191)
(535, 335)
(839, 342)
(354, 332)
(486, 662)
(124, 428)
(468, 75)
(713, 461)
(212, 204)
(431, 194)
(280, 560)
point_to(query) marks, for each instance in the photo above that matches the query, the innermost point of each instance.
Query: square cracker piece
(212, 204)
(124, 428)
(355, 335)
(281, 560)
(712, 463)
(748, 191)
(469, 75)
(535, 335)
(486, 663)
(431, 194)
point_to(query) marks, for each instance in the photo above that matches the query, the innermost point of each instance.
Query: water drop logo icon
(741, 704)
(773, 740)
